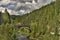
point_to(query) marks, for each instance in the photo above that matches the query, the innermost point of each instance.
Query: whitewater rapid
(19, 7)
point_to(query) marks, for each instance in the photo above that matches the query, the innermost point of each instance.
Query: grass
(44, 23)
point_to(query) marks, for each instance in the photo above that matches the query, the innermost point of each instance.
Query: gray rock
(23, 37)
